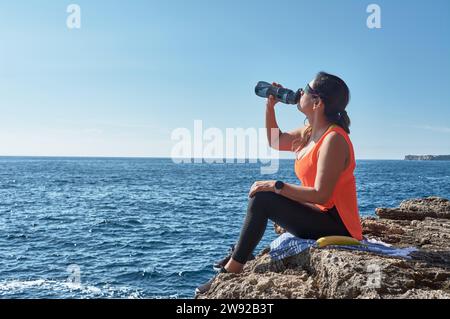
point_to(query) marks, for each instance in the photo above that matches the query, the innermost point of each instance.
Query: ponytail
(340, 118)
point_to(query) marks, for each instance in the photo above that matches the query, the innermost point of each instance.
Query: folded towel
(288, 245)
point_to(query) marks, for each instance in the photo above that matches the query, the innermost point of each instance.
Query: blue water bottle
(264, 89)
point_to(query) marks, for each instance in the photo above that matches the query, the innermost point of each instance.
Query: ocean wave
(16, 236)
(141, 275)
(117, 223)
(19, 285)
(66, 289)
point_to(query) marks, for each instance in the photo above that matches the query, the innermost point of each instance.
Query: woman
(326, 203)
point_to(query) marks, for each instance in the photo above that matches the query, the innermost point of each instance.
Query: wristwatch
(278, 186)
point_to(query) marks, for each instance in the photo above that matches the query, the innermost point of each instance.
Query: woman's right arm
(277, 139)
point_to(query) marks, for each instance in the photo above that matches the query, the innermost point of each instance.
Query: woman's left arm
(331, 163)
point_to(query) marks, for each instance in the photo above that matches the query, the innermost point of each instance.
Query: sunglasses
(309, 90)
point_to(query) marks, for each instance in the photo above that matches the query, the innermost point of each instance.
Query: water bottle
(264, 89)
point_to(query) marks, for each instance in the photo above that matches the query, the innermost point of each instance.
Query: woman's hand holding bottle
(271, 100)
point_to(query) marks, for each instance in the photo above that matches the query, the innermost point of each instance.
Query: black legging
(299, 219)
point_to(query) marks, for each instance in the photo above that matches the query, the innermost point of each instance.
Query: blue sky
(136, 70)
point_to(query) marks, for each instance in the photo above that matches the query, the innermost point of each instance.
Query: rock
(334, 273)
(417, 209)
(263, 285)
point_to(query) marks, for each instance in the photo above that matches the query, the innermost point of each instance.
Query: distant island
(427, 158)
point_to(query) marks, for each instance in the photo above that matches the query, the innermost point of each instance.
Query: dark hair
(335, 95)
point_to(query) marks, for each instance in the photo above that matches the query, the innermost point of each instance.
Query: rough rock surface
(333, 273)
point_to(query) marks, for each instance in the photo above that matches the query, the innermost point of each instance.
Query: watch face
(279, 185)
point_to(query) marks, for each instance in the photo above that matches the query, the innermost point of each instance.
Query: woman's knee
(261, 200)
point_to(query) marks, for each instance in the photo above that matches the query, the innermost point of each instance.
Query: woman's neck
(319, 127)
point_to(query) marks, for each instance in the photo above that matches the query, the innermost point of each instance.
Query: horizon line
(168, 157)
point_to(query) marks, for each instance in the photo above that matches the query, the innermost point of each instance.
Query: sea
(148, 227)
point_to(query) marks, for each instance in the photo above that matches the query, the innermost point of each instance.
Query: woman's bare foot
(233, 266)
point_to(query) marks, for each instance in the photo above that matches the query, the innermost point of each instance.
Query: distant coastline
(427, 158)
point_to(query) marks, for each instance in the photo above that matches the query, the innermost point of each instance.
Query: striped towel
(287, 245)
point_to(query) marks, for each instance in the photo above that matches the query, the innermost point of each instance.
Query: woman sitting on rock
(326, 203)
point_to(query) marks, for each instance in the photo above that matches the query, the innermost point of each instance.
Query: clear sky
(136, 70)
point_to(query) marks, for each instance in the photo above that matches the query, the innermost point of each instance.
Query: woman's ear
(318, 102)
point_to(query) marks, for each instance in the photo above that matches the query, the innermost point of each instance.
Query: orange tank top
(344, 194)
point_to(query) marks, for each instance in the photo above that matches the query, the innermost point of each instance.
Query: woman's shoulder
(335, 137)
(337, 132)
(336, 142)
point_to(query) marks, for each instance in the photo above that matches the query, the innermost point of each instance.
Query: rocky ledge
(333, 273)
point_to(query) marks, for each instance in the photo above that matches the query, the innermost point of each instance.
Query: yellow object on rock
(337, 240)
